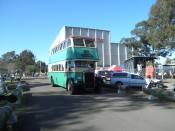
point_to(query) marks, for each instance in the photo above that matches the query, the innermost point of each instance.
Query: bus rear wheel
(52, 82)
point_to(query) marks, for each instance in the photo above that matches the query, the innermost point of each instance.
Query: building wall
(119, 53)
(114, 53)
(123, 54)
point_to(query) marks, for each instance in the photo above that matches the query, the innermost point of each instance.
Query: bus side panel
(59, 78)
(61, 56)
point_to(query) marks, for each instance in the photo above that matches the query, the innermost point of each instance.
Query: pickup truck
(118, 79)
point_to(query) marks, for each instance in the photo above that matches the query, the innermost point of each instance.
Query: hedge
(161, 93)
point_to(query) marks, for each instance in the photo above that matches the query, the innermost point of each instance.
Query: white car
(118, 79)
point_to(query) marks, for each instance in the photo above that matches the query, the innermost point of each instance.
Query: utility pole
(40, 68)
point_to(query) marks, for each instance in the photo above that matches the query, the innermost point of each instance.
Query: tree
(162, 26)
(156, 36)
(141, 33)
(132, 45)
(26, 58)
(11, 62)
(30, 69)
(41, 66)
(9, 56)
(8, 61)
(168, 61)
(3, 68)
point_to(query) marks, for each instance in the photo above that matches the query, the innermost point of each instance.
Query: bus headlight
(108, 78)
(78, 80)
(75, 81)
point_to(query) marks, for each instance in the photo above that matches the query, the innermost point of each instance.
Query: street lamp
(40, 68)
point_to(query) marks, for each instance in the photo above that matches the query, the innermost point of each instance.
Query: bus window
(92, 65)
(78, 42)
(53, 51)
(89, 43)
(77, 64)
(64, 45)
(56, 49)
(62, 67)
(68, 43)
(66, 65)
(81, 64)
(56, 67)
(61, 46)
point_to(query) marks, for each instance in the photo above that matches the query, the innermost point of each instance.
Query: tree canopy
(162, 25)
(23, 63)
(156, 35)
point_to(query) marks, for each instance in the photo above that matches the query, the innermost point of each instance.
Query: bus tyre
(52, 82)
(71, 88)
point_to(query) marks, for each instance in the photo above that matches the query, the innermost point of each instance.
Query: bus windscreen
(78, 42)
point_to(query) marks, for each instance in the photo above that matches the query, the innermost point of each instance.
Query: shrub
(161, 93)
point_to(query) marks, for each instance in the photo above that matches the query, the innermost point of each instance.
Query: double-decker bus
(72, 65)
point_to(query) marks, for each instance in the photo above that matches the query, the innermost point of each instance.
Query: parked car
(103, 74)
(117, 79)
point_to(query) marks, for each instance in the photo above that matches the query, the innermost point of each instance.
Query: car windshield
(120, 75)
(84, 64)
(136, 77)
(105, 73)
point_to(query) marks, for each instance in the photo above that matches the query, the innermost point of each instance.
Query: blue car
(118, 79)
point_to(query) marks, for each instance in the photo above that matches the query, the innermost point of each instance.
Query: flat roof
(141, 57)
(86, 28)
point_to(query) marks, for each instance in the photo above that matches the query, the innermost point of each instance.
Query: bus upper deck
(74, 48)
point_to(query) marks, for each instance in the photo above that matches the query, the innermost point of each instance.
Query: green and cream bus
(72, 65)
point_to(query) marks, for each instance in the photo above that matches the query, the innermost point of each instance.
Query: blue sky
(34, 24)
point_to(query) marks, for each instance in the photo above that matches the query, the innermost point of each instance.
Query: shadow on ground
(58, 110)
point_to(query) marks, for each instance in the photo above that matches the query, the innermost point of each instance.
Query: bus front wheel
(71, 88)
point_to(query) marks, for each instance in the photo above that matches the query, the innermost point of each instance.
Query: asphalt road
(52, 109)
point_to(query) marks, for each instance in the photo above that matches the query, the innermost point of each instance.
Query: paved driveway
(51, 109)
